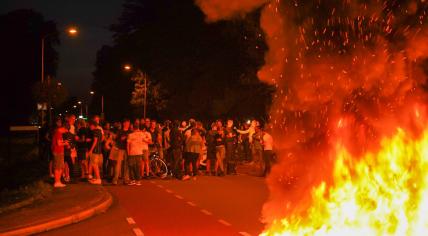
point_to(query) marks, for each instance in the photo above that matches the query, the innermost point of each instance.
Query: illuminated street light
(72, 31)
(59, 83)
(74, 106)
(127, 67)
(102, 104)
(79, 102)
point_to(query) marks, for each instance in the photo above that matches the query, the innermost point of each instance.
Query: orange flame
(383, 193)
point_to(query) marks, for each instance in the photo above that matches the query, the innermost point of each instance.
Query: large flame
(382, 193)
(365, 61)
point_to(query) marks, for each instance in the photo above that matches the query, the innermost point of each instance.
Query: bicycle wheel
(158, 168)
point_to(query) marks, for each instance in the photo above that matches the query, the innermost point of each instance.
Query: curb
(75, 218)
(23, 203)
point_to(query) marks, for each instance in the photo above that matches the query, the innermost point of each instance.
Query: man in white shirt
(147, 140)
(267, 152)
(136, 143)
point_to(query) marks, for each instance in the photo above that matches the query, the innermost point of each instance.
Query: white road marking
(179, 197)
(168, 191)
(130, 221)
(191, 204)
(160, 186)
(138, 232)
(244, 234)
(206, 212)
(223, 222)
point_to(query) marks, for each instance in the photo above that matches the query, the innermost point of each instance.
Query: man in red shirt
(58, 145)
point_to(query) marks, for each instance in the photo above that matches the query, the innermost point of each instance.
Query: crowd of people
(92, 151)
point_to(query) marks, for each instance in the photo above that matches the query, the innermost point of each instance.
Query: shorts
(96, 159)
(117, 154)
(145, 156)
(81, 155)
(58, 161)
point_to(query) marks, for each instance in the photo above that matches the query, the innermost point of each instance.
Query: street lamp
(102, 104)
(127, 67)
(81, 109)
(72, 31)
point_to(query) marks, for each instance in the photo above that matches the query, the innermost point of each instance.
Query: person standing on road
(119, 153)
(177, 144)
(147, 140)
(70, 152)
(107, 145)
(194, 146)
(95, 155)
(58, 145)
(250, 132)
(230, 143)
(82, 147)
(166, 142)
(220, 152)
(49, 137)
(155, 132)
(211, 150)
(258, 150)
(135, 147)
(267, 152)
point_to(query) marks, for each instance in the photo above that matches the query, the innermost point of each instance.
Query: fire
(363, 61)
(382, 193)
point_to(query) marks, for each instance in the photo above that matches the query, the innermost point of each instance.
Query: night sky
(76, 55)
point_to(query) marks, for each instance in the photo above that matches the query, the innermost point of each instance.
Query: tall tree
(20, 43)
(208, 70)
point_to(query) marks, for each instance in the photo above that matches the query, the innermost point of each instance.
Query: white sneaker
(59, 185)
(90, 177)
(138, 183)
(96, 181)
(186, 177)
(131, 183)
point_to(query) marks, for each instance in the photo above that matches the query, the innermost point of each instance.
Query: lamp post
(102, 104)
(81, 109)
(72, 31)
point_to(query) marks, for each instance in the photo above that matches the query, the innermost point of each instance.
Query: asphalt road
(228, 205)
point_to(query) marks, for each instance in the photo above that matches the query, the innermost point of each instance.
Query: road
(209, 205)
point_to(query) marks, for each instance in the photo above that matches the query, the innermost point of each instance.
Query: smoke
(222, 9)
(346, 69)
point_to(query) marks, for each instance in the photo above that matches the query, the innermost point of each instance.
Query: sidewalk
(68, 205)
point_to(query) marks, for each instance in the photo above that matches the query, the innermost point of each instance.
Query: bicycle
(157, 166)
